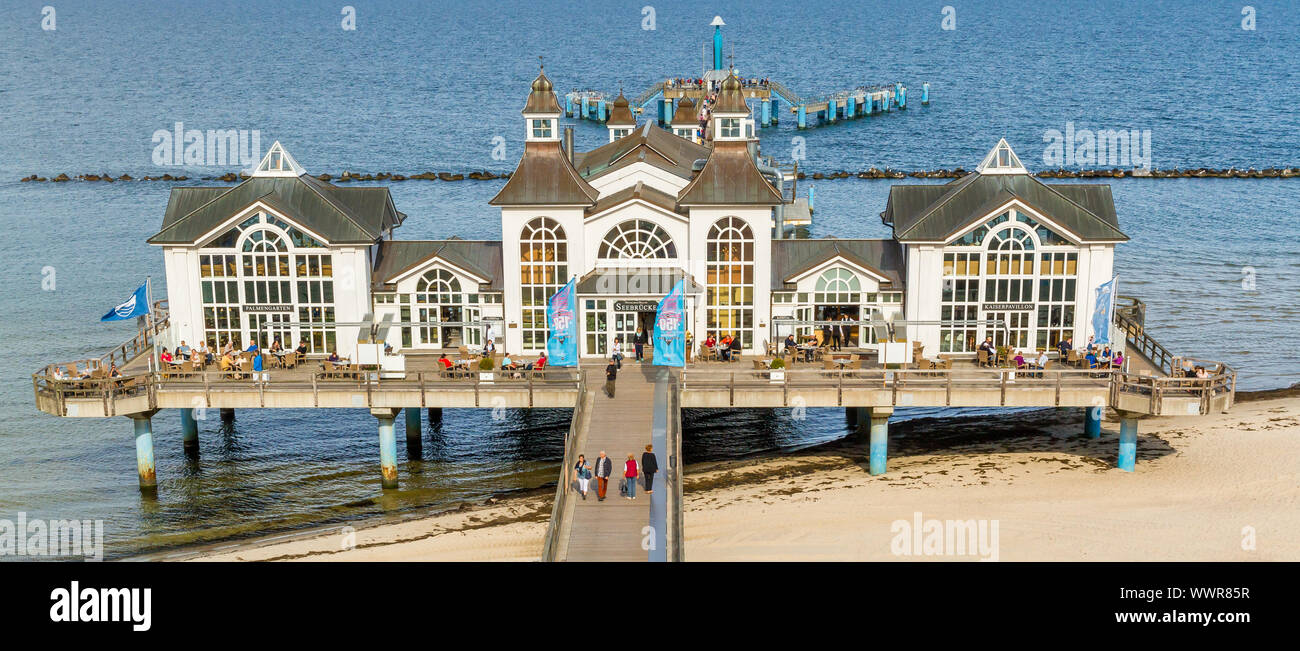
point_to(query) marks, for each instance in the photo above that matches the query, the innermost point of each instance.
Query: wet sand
(1203, 489)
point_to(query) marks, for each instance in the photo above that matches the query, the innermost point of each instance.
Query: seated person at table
(1064, 347)
(489, 348)
(113, 372)
(1019, 360)
(726, 347)
(202, 354)
(227, 362)
(1105, 353)
(507, 364)
(1201, 374)
(540, 363)
(790, 342)
(388, 348)
(334, 356)
(59, 374)
(183, 350)
(989, 347)
(1118, 360)
(302, 347)
(735, 346)
(709, 341)
(1091, 358)
(165, 357)
(276, 346)
(1041, 362)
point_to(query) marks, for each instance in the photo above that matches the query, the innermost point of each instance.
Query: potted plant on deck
(485, 367)
(776, 372)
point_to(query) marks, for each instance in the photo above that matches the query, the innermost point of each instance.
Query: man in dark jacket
(649, 466)
(604, 467)
(611, 374)
(639, 341)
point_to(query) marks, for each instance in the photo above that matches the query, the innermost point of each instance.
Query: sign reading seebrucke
(635, 306)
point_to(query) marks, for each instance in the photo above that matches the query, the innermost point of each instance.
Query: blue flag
(1104, 312)
(562, 342)
(670, 329)
(137, 305)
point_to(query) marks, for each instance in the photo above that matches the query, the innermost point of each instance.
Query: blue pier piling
(1092, 422)
(1128, 443)
(387, 446)
(812, 199)
(879, 459)
(831, 110)
(925, 94)
(143, 424)
(902, 98)
(414, 427)
(851, 109)
(189, 432)
(568, 106)
(600, 111)
(803, 116)
(776, 109)
(584, 115)
(767, 113)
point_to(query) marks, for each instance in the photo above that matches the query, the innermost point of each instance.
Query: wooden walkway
(619, 529)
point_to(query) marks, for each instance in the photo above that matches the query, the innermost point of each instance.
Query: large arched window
(729, 285)
(264, 256)
(637, 239)
(543, 270)
(838, 285)
(438, 298)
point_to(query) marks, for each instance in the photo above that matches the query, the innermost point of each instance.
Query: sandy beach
(1224, 487)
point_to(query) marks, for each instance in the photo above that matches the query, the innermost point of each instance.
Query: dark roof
(541, 98)
(545, 177)
(480, 257)
(653, 281)
(340, 215)
(649, 194)
(793, 257)
(730, 177)
(621, 115)
(731, 98)
(685, 115)
(936, 212)
(649, 144)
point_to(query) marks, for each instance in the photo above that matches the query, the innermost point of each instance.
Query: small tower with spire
(686, 120)
(542, 111)
(621, 121)
(731, 118)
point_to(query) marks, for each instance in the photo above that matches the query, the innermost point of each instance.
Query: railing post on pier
(189, 433)
(1128, 430)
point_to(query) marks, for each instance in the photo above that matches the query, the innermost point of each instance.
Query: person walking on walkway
(629, 476)
(582, 473)
(604, 468)
(611, 374)
(649, 466)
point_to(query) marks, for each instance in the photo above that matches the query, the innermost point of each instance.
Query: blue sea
(424, 86)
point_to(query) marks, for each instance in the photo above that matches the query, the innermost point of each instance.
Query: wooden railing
(674, 476)
(52, 394)
(1130, 316)
(562, 493)
(1223, 382)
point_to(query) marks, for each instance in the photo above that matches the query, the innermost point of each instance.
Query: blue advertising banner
(1104, 312)
(562, 342)
(670, 329)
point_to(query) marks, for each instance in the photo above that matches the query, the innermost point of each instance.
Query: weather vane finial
(540, 63)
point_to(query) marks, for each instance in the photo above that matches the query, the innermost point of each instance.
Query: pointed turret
(621, 121)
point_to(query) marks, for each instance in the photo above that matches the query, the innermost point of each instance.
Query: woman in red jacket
(629, 476)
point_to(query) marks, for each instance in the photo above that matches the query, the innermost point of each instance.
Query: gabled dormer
(732, 121)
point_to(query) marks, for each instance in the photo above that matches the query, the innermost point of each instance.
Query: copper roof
(649, 144)
(686, 114)
(649, 194)
(731, 178)
(731, 99)
(621, 115)
(542, 98)
(545, 177)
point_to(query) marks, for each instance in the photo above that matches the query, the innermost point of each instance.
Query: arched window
(637, 239)
(438, 298)
(729, 285)
(543, 270)
(838, 285)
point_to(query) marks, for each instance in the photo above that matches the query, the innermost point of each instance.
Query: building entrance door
(1016, 332)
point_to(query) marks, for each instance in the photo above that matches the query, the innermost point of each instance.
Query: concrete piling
(1128, 431)
(879, 440)
(387, 446)
(1092, 421)
(189, 432)
(143, 425)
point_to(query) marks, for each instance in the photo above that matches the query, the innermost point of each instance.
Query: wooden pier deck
(617, 529)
